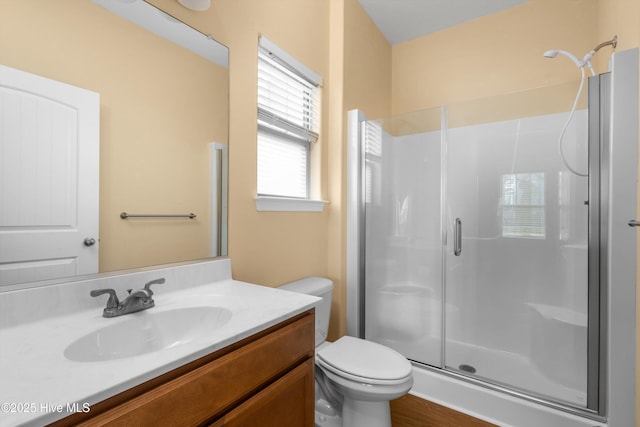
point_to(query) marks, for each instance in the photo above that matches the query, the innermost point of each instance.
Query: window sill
(283, 204)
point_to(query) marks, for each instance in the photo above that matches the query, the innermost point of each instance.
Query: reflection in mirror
(163, 113)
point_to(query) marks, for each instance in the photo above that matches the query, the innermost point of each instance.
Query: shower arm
(613, 42)
(587, 58)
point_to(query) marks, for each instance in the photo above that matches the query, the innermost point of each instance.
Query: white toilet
(355, 378)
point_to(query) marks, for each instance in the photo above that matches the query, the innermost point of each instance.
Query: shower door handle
(457, 237)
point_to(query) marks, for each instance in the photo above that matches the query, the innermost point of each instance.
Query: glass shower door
(403, 234)
(516, 253)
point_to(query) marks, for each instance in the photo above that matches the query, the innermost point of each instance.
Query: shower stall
(480, 242)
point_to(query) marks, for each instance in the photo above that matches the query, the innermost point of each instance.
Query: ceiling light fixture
(197, 5)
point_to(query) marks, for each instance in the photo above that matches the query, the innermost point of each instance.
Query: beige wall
(497, 54)
(361, 78)
(155, 122)
(272, 248)
(337, 40)
(269, 248)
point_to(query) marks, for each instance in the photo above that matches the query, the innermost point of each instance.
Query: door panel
(49, 171)
(516, 294)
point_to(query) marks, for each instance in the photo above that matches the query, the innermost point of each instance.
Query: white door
(49, 172)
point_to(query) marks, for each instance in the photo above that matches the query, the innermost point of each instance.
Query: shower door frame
(599, 110)
(597, 239)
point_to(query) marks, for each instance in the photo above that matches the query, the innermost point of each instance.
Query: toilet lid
(365, 359)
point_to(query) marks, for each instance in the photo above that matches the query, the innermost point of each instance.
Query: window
(288, 122)
(523, 210)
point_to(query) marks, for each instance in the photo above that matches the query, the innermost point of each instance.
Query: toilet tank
(319, 287)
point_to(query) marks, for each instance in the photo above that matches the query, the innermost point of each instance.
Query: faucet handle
(113, 298)
(147, 286)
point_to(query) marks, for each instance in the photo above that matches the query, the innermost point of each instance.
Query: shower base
(501, 368)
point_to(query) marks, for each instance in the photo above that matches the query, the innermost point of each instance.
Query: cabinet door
(287, 402)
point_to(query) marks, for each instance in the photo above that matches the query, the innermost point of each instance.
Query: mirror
(163, 100)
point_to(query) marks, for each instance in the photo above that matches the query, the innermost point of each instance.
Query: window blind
(282, 166)
(288, 122)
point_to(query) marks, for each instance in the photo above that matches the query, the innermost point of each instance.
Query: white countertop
(38, 385)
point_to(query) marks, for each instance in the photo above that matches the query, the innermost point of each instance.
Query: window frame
(300, 131)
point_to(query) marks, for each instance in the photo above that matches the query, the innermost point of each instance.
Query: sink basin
(146, 332)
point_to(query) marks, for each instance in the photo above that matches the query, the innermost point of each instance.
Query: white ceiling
(402, 20)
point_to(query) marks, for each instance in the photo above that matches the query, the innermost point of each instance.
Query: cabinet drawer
(287, 402)
(210, 390)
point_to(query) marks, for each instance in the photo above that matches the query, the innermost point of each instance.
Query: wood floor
(411, 411)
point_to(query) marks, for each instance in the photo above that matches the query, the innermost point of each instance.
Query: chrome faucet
(137, 301)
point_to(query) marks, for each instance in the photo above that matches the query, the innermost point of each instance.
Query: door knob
(89, 241)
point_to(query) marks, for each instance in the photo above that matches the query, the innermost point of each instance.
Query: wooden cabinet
(264, 380)
(286, 402)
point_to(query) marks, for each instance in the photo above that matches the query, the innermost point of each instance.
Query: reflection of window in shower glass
(373, 138)
(373, 184)
(373, 160)
(523, 210)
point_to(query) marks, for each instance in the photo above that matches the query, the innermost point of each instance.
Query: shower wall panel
(403, 243)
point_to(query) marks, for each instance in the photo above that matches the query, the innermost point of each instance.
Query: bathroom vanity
(213, 351)
(266, 380)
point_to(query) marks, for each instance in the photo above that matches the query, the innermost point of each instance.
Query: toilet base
(324, 420)
(358, 413)
(326, 415)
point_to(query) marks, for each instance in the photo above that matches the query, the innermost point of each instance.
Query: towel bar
(125, 215)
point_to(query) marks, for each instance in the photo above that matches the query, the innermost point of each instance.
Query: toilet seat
(364, 361)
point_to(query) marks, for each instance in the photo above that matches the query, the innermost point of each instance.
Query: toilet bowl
(355, 378)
